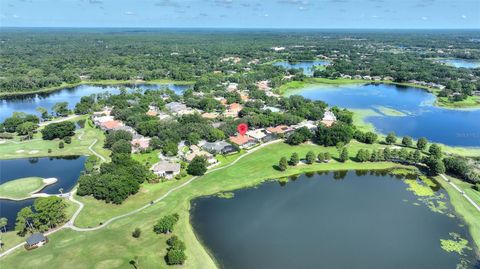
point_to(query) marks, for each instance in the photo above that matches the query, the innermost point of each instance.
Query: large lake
(460, 63)
(360, 220)
(66, 170)
(307, 66)
(421, 118)
(29, 103)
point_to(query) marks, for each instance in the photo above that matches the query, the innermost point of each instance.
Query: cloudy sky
(242, 13)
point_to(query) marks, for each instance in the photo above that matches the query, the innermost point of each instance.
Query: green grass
(94, 249)
(36, 147)
(147, 159)
(21, 188)
(462, 207)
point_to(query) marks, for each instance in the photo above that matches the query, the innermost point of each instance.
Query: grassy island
(23, 188)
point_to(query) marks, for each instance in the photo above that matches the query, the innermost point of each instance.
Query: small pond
(460, 63)
(415, 114)
(65, 169)
(338, 220)
(307, 66)
(29, 103)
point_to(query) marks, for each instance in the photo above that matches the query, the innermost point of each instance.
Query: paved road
(461, 191)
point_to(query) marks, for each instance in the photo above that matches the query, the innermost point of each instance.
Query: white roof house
(257, 133)
(166, 169)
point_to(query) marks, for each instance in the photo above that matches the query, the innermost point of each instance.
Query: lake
(65, 169)
(420, 117)
(460, 63)
(359, 220)
(307, 66)
(29, 103)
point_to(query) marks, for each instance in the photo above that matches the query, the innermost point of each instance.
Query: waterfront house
(243, 141)
(328, 118)
(196, 151)
(257, 134)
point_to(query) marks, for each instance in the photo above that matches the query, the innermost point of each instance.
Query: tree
(22, 223)
(391, 138)
(417, 156)
(344, 155)
(165, 224)
(434, 165)
(175, 256)
(26, 128)
(61, 145)
(310, 158)
(170, 148)
(198, 166)
(43, 112)
(136, 233)
(321, 157)
(115, 136)
(422, 143)
(299, 136)
(327, 156)
(58, 130)
(61, 109)
(122, 146)
(283, 164)
(363, 155)
(407, 141)
(174, 242)
(435, 151)
(294, 159)
(3, 224)
(331, 136)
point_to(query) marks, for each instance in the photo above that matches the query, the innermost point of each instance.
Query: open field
(95, 82)
(21, 188)
(67, 246)
(37, 147)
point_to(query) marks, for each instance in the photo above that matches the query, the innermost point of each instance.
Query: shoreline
(35, 193)
(295, 85)
(454, 203)
(94, 82)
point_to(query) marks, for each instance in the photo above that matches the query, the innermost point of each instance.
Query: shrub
(175, 256)
(68, 140)
(310, 158)
(61, 145)
(283, 164)
(294, 160)
(165, 224)
(198, 166)
(136, 233)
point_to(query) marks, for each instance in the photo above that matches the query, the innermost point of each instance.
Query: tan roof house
(166, 169)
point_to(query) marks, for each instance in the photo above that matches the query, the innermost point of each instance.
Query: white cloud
(129, 13)
(265, 15)
(464, 17)
(424, 18)
(15, 16)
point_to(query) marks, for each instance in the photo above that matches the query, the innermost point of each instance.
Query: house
(357, 77)
(221, 147)
(111, 125)
(196, 151)
(106, 111)
(269, 137)
(140, 143)
(328, 118)
(126, 129)
(243, 141)
(367, 77)
(257, 134)
(309, 124)
(278, 48)
(233, 110)
(35, 240)
(232, 87)
(388, 78)
(280, 130)
(263, 85)
(377, 78)
(179, 108)
(166, 169)
(476, 93)
(210, 115)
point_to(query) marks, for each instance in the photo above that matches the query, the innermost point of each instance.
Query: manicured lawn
(37, 147)
(94, 249)
(147, 159)
(21, 188)
(462, 207)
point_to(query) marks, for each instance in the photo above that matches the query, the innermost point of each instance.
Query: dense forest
(31, 61)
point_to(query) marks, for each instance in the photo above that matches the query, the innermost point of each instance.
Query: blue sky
(242, 13)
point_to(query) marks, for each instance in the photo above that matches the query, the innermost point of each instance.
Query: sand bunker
(20, 151)
(33, 151)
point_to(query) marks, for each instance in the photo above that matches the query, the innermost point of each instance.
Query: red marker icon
(242, 128)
